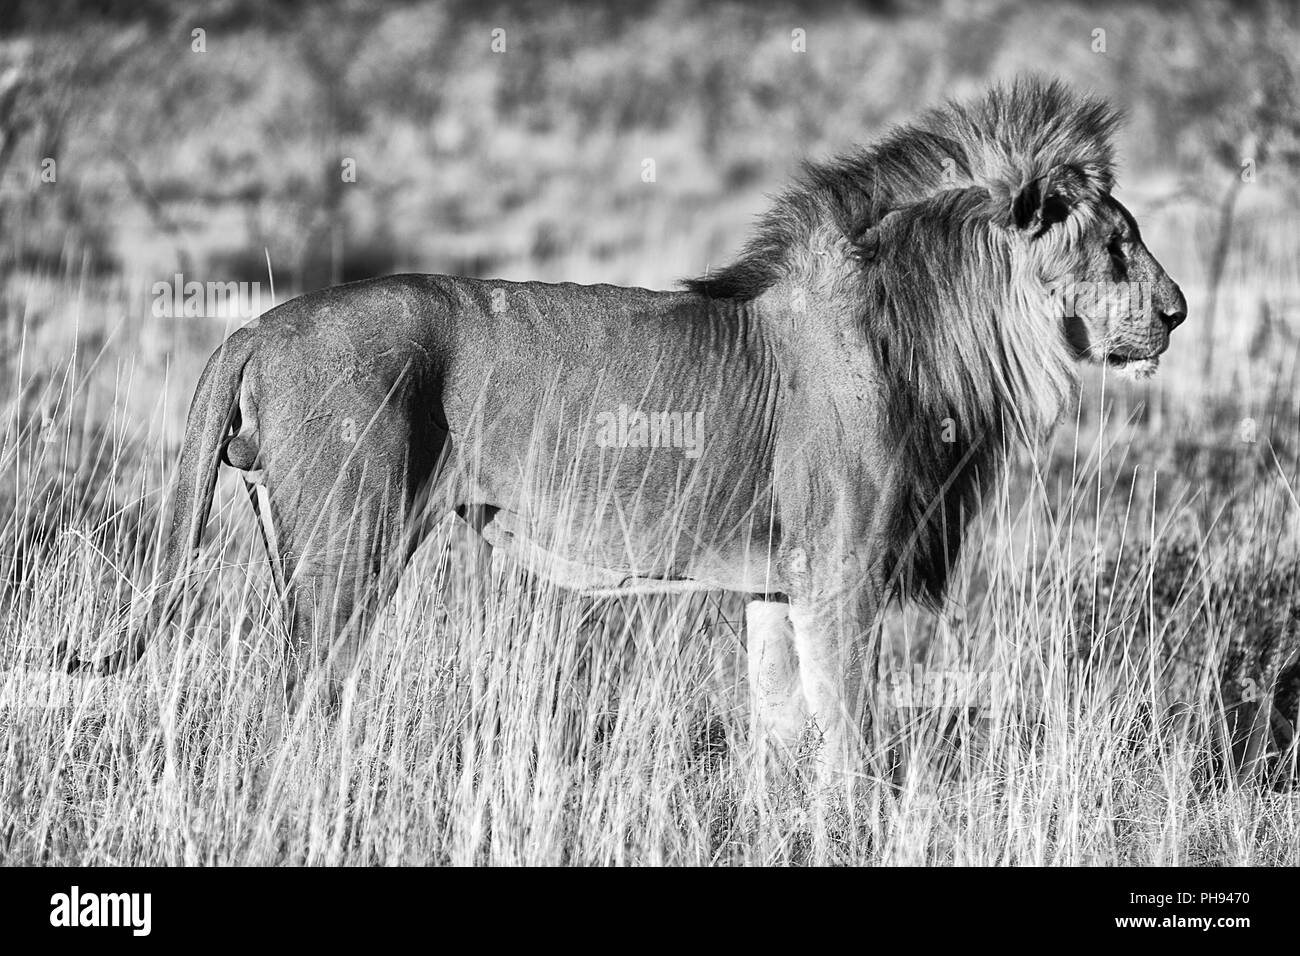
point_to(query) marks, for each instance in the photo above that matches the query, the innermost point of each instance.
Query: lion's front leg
(778, 713)
(830, 674)
(833, 620)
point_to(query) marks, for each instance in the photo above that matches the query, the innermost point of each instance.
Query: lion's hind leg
(342, 510)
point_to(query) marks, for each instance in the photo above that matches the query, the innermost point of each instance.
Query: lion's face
(1119, 305)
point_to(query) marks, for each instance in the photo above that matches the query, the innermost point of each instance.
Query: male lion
(857, 375)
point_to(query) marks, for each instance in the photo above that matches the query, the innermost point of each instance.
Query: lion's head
(1041, 156)
(1116, 302)
(1044, 155)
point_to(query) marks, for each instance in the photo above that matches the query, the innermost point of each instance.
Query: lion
(853, 381)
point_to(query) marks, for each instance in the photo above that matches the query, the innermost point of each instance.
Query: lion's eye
(1116, 248)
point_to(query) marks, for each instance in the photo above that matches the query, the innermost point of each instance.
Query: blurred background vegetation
(526, 161)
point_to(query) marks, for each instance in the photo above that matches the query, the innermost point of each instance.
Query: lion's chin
(1133, 368)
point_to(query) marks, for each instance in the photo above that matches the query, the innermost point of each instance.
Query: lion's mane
(963, 348)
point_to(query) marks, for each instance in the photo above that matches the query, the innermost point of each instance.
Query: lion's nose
(1177, 309)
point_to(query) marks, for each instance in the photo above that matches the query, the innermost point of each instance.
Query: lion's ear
(1043, 202)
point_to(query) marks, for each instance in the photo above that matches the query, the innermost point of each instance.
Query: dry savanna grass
(1113, 682)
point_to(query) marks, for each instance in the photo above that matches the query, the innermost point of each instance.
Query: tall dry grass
(1120, 586)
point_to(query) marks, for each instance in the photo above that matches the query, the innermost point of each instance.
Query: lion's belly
(598, 518)
(623, 438)
(617, 561)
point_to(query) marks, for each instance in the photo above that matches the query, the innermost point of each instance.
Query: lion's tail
(212, 413)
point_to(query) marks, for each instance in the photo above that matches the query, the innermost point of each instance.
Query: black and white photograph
(657, 434)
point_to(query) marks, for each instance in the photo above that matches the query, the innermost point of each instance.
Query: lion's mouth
(1133, 366)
